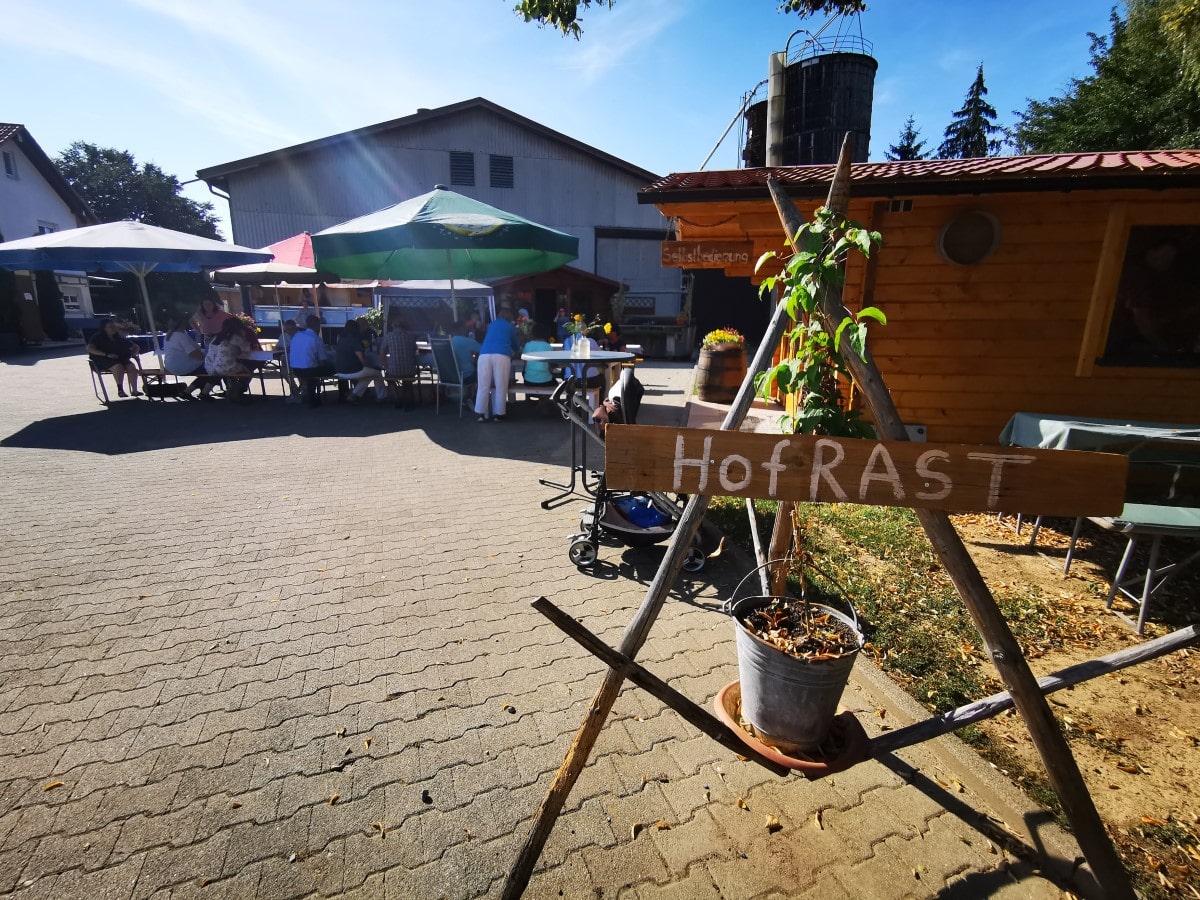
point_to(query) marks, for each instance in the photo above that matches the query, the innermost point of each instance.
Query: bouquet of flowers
(723, 336)
(579, 326)
(250, 324)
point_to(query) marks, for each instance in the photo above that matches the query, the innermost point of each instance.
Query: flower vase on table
(581, 345)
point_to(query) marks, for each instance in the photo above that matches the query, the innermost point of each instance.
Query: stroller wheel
(582, 553)
(694, 561)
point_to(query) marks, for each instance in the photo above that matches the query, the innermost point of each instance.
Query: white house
(481, 150)
(36, 199)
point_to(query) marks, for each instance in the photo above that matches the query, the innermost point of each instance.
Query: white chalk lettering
(701, 463)
(775, 466)
(998, 460)
(889, 474)
(747, 472)
(822, 470)
(923, 471)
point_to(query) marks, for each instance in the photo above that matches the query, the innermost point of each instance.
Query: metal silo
(816, 94)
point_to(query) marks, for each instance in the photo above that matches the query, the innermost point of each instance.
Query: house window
(462, 167)
(500, 171)
(46, 228)
(1156, 317)
(10, 164)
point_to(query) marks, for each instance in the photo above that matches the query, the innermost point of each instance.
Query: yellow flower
(578, 317)
(608, 327)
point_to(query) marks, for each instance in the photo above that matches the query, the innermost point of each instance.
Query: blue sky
(189, 85)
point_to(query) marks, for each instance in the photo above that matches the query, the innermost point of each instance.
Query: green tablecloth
(1154, 440)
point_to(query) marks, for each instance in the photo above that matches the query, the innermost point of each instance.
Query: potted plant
(795, 655)
(722, 366)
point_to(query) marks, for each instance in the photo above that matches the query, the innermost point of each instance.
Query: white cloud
(615, 35)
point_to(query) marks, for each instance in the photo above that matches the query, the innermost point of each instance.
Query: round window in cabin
(969, 238)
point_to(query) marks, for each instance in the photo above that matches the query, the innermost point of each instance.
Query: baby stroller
(630, 519)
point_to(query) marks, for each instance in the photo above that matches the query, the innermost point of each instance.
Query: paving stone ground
(267, 651)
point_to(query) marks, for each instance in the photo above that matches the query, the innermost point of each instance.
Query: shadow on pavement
(137, 426)
(34, 355)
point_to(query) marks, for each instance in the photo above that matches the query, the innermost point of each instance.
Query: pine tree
(970, 134)
(907, 147)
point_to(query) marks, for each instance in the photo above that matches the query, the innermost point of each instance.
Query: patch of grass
(1165, 855)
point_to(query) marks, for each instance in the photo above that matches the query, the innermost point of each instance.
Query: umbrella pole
(141, 277)
(287, 369)
(453, 299)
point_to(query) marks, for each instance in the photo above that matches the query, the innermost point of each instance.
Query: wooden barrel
(721, 371)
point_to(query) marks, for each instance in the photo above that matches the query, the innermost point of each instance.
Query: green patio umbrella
(441, 234)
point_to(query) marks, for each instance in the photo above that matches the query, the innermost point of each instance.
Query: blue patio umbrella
(125, 247)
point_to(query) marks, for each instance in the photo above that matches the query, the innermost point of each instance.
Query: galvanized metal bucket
(791, 702)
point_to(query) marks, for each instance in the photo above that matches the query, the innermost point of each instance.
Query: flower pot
(791, 702)
(720, 372)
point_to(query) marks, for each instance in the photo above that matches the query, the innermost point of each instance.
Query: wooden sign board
(957, 477)
(707, 254)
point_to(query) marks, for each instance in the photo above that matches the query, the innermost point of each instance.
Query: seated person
(398, 353)
(466, 352)
(350, 361)
(538, 372)
(621, 405)
(306, 357)
(225, 355)
(111, 351)
(613, 339)
(183, 356)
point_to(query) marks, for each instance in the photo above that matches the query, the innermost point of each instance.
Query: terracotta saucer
(846, 745)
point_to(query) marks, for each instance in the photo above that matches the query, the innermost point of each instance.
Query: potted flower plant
(722, 367)
(794, 655)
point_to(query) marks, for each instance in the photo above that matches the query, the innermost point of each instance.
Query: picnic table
(1159, 499)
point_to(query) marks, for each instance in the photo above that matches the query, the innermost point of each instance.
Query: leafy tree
(1181, 25)
(564, 14)
(117, 188)
(1136, 99)
(970, 134)
(907, 147)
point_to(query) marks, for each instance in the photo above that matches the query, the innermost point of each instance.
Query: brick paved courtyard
(266, 651)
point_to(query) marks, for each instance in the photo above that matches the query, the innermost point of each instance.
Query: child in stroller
(632, 519)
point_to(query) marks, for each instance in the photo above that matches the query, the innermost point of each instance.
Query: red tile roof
(1046, 172)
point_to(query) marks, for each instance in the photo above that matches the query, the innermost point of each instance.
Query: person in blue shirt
(495, 365)
(538, 372)
(306, 357)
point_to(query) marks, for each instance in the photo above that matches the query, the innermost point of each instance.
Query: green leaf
(770, 254)
(858, 339)
(873, 312)
(837, 335)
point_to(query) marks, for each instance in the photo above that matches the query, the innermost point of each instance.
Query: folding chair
(446, 368)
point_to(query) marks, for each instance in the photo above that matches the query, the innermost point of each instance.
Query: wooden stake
(781, 542)
(656, 687)
(955, 719)
(1057, 759)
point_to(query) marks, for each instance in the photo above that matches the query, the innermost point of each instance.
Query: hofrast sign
(958, 477)
(707, 254)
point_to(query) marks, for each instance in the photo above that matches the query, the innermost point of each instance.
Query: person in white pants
(494, 367)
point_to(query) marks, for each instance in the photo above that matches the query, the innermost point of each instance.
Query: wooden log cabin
(1066, 284)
